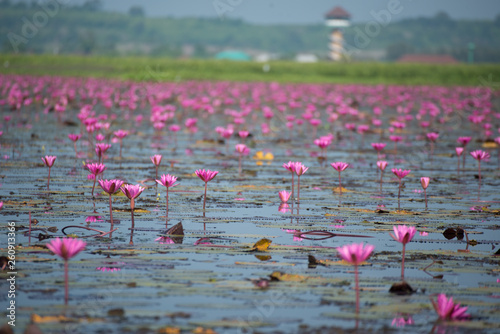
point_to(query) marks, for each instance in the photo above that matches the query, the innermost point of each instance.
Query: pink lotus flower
(340, 167)
(156, 160)
(120, 134)
(424, 181)
(447, 310)
(479, 155)
(323, 143)
(206, 176)
(242, 150)
(66, 248)
(95, 169)
(284, 196)
(167, 181)
(243, 134)
(378, 147)
(49, 160)
(132, 192)
(382, 165)
(433, 136)
(396, 140)
(355, 254)
(74, 138)
(111, 187)
(400, 174)
(403, 234)
(299, 169)
(289, 167)
(464, 140)
(101, 149)
(402, 322)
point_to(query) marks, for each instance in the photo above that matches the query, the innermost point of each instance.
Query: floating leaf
(49, 318)
(262, 245)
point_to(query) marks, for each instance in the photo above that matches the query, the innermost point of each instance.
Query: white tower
(337, 19)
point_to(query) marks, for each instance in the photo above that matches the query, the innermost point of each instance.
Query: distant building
(428, 59)
(233, 55)
(306, 58)
(337, 19)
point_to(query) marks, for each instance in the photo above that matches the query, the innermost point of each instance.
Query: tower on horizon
(337, 19)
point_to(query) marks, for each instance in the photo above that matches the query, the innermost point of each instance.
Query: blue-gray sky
(303, 11)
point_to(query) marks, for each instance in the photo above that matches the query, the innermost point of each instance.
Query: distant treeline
(56, 26)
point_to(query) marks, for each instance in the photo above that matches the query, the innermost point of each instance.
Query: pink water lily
(167, 181)
(340, 167)
(206, 176)
(378, 147)
(74, 138)
(111, 187)
(101, 149)
(48, 161)
(400, 173)
(132, 192)
(289, 167)
(355, 254)
(156, 160)
(424, 181)
(479, 155)
(66, 248)
(448, 310)
(284, 196)
(95, 170)
(381, 164)
(120, 134)
(242, 150)
(403, 234)
(299, 169)
(464, 141)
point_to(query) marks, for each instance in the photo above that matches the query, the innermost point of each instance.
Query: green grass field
(162, 69)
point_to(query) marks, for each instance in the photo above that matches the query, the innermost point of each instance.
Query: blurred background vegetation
(86, 29)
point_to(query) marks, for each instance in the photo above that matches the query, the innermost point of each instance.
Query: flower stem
(298, 189)
(239, 166)
(293, 190)
(425, 194)
(167, 204)
(403, 264)
(205, 197)
(340, 185)
(110, 211)
(479, 188)
(399, 194)
(95, 177)
(356, 278)
(66, 283)
(48, 180)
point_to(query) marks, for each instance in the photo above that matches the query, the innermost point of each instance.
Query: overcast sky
(304, 11)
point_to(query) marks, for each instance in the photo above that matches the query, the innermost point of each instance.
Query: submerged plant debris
(248, 262)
